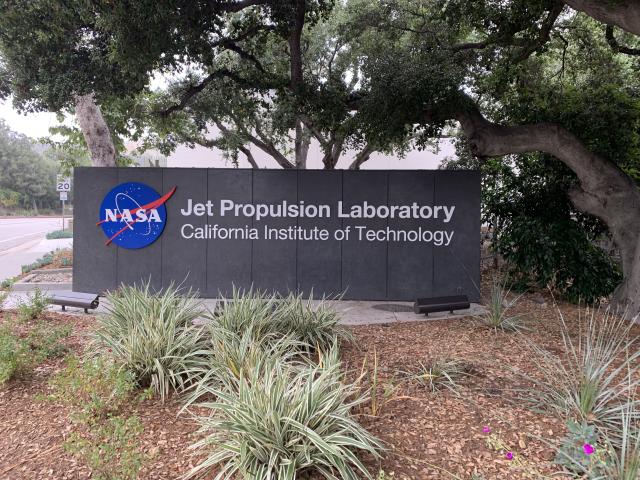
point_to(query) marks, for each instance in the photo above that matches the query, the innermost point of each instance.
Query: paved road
(16, 232)
(19, 238)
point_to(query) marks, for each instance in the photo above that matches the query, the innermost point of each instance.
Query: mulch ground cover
(428, 435)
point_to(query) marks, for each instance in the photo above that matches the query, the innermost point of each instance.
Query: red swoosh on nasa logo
(148, 206)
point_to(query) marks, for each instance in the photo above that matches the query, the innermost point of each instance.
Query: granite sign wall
(374, 235)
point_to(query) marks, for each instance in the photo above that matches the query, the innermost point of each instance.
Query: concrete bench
(75, 299)
(441, 304)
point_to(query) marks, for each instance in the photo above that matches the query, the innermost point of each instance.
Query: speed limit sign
(63, 184)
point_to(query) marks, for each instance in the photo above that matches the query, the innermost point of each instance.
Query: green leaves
(152, 335)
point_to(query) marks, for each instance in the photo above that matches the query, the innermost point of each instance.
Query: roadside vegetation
(57, 234)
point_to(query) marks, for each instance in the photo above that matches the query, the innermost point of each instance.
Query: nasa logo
(133, 215)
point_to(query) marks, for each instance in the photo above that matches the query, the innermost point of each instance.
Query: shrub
(111, 448)
(97, 390)
(152, 335)
(229, 356)
(14, 355)
(56, 234)
(47, 259)
(45, 341)
(292, 316)
(440, 373)
(33, 306)
(4, 295)
(498, 306)
(316, 325)
(594, 378)
(7, 283)
(280, 422)
(246, 310)
(571, 454)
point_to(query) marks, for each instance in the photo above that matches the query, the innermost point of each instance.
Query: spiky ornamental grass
(596, 376)
(229, 356)
(280, 422)
(152, 335)
(308, 322)
(497, 316)
(440, 373)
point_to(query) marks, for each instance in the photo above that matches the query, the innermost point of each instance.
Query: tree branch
(615, 46)
(295, 49)
(233, 7)
(362, 157)
(621, 13)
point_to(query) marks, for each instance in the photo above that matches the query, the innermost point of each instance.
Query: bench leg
(63, 308)
(86, 311)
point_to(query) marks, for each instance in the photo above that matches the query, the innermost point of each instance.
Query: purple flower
(588, 449)
(486, 429)
(508, 456)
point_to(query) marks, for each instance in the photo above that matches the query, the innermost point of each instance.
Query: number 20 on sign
(63, 184)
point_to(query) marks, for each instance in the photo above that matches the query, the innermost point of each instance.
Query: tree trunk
(362, 157)
(302, 142)
(604, 190)
(96, 132)
(622, 13)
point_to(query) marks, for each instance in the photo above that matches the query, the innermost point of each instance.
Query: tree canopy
(523, 80)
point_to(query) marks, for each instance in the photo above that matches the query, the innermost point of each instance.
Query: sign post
(63, 185)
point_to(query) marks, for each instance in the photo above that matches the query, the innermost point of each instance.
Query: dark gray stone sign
(369, 235)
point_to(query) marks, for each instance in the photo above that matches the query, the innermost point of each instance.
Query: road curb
(44, 286)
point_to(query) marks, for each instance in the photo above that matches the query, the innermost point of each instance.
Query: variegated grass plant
(152, 335)
(281, 421)
(595, 377)
(228, 356)
(311, 323)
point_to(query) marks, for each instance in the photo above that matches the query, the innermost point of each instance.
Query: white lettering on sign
(126, 215)
(285, 209)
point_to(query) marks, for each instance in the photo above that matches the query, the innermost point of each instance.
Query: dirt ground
(428, 435)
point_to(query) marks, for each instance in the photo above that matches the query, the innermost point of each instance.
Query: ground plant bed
(480, 430)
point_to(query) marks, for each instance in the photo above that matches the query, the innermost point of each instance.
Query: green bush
(281, 422)
(19, 355)
(563, 258)
(570, 453)
(44, 340)
(33, 306)
(14, 355)
(56, 234)
(111, 448)
(152, 335)
(46, 259)
(97, 392)
(96, 388)
(4, 295)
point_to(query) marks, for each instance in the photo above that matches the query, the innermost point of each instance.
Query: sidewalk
(11, 261)
(352, 312)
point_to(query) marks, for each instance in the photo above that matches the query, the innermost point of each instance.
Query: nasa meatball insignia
(133, 215)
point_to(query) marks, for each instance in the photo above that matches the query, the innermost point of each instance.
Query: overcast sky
(36, 125)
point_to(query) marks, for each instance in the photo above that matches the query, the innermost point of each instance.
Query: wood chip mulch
(427, 435)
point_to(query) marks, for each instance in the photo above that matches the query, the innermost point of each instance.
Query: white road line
(22, 236)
